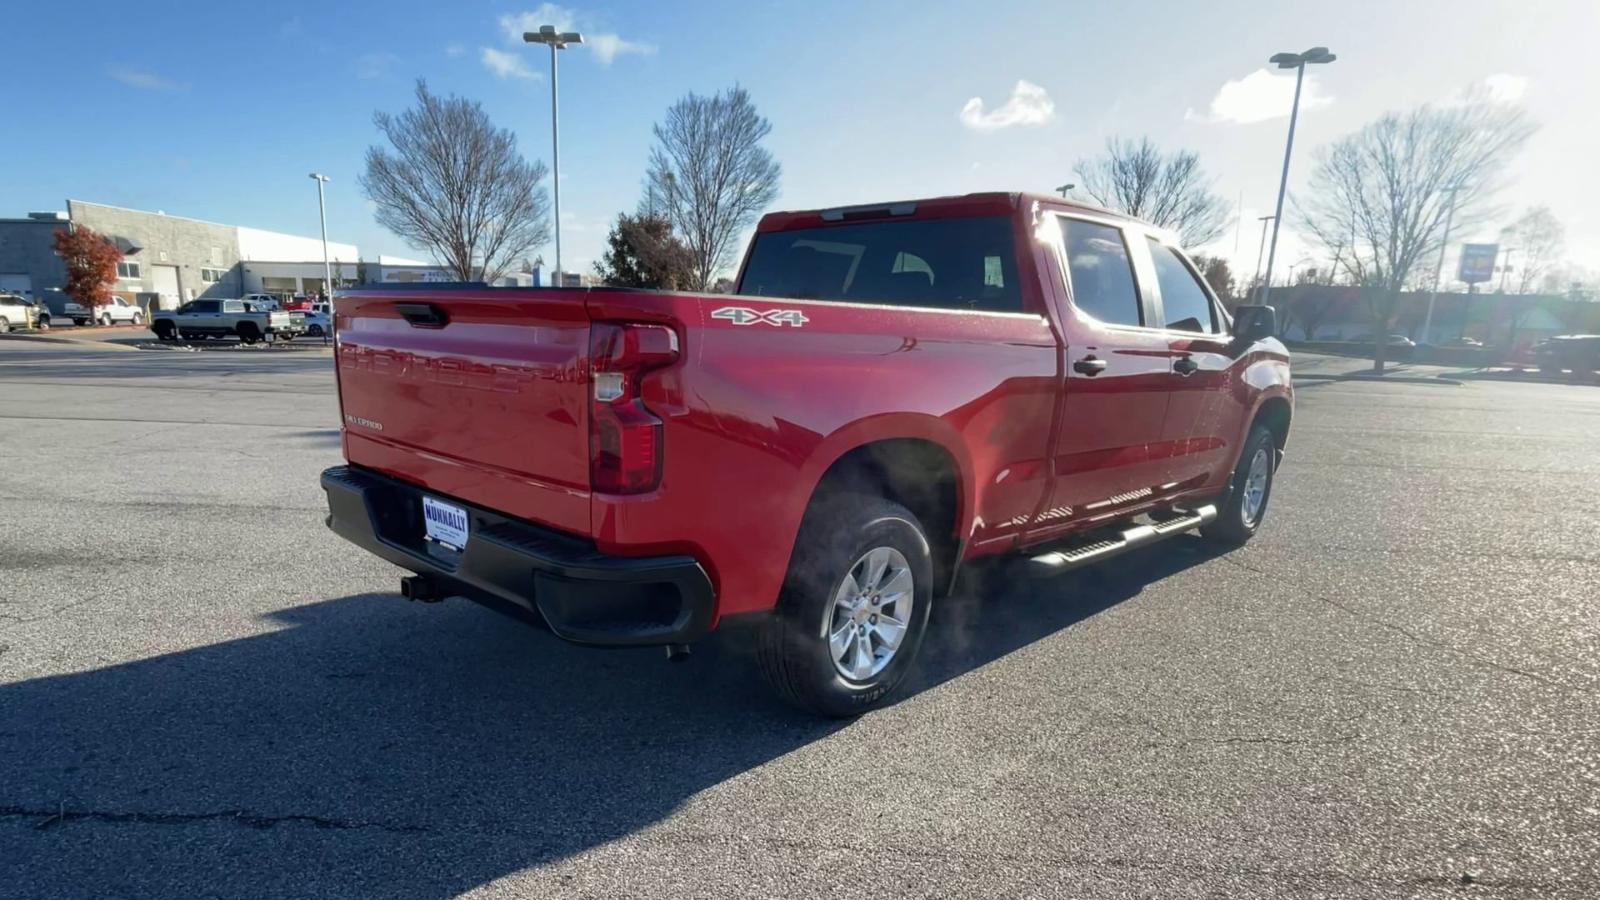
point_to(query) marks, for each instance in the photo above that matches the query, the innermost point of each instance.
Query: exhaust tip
(419, 588)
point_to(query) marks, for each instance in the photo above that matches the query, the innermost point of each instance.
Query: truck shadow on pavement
(371, 747)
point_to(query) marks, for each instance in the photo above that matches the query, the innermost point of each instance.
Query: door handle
(1185, 365)
(1090, 365)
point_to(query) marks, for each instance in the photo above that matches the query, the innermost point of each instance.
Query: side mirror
(1253, 323)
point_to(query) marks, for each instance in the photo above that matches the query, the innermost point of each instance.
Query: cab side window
(1100, 272)
(1184, 303)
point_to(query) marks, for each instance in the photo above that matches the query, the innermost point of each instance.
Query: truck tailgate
(475, 394)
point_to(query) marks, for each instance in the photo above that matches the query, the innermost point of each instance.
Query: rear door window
(1184, 303)
(1100, 272)
(954, 263)
(203, 306)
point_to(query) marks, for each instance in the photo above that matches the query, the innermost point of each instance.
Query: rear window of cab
(954, 263)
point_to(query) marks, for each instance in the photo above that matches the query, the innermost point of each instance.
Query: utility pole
(1438, 270)
(1505, 267)
(558, 41)
(322, 212)
(1298, 62)
(1256, 282)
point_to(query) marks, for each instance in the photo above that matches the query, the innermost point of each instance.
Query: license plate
(445, 523)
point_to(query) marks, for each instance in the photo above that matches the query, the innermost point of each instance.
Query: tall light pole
(547, 34)
(1298, 62)
(322, 213)
(1506, 266)
(1438, 269)
(1262, 247)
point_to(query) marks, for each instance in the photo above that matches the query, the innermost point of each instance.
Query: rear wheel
(249, 333)
(5, 325)
(853, 608)
(165, 330)
(1246, 506)
(105, 319)
(80, 322)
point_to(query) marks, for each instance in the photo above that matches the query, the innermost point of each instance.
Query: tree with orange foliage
(91, 260)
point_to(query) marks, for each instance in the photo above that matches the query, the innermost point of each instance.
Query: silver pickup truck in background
(200, 319)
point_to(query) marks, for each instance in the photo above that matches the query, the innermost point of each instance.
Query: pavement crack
(50, 818)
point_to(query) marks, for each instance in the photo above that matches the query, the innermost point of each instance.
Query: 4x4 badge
(740, 315)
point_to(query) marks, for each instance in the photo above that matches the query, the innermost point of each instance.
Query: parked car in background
(1395, 340)
(1578, 352)
(17, 312)
(891, 390)
(263, 302)
(226, 318)
(318, 324)
(1464, 343)
(119, 312)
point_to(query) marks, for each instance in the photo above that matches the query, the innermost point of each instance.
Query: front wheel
(1250, 490)
(80, 322)
(315, 331)
(5, 325)
(853, 608)
(138, 319)
(165, 331)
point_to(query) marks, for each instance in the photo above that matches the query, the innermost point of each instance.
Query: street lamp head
(547, 34)
(1314, 56)
(318, 176)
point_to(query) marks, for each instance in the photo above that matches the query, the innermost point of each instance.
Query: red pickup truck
(891, 391)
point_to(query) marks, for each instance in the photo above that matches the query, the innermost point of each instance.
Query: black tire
(5, 325)
(835, 538)
(105, 320)
(315, 331)
(138, 319)
(80, 322)
(1235, 524)
(44, 323)
(249, 333)
(164, 330)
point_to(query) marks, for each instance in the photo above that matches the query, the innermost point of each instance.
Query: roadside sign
(1477, 262)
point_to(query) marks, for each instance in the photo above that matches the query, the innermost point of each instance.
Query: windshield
(957, 263)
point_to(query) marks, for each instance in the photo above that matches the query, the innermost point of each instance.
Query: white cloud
(1260, 96)
(507, 65)
(605, 45)
(455, 50)
(144, 81)
(1029, 104)
(1505, 87)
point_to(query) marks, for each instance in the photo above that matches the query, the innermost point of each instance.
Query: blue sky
(218, 110)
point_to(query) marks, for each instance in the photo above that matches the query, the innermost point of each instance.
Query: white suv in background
(117, 312)
(16, 312)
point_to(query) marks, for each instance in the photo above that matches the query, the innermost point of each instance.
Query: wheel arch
(926, 472)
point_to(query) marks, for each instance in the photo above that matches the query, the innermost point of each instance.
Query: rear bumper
(583, 595)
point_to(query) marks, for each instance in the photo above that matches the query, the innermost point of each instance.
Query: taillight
(625, 437)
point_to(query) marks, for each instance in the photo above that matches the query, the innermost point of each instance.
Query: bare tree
(1538, 239)
(710, 175)
(1379, 195)
(455, 186)
(1169, 191)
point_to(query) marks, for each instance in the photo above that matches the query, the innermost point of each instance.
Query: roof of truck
(987, 203)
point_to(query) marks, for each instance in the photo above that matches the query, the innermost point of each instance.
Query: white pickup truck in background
(200, 319)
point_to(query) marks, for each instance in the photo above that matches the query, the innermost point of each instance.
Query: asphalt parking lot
(1392, 692)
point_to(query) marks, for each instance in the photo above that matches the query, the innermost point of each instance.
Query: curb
(71, 342)
(1390, 379)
